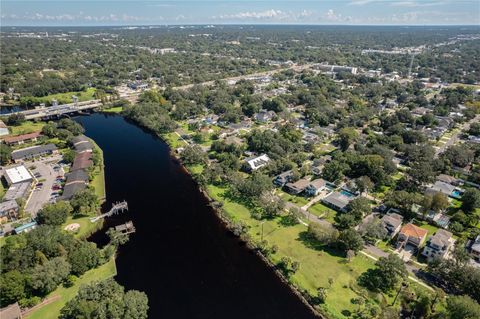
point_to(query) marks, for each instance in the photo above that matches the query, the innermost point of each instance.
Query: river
(181, 255)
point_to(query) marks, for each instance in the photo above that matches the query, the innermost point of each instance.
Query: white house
(255, 163)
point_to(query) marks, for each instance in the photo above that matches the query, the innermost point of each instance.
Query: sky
(338, 12)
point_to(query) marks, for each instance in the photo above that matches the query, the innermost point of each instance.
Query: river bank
(181, 255)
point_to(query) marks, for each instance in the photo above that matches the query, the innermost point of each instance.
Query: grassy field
(65, 98)
(317, 265)
(52, 310)
(174, 140)
(323, 211)
(86, 226)
(26, 127)
(299, 200)
(98, 181)
(117, 109)
(3, 188)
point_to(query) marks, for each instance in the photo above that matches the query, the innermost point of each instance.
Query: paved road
(38, 198)
(455, 137)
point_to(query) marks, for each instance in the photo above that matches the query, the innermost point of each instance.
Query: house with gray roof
(392, 222)
(441, 187)
(8, 210)
(438, 245)
(283, 178)
(33, 152)
(297, 187)
(338, 200)
(315, 187)
(475, 249)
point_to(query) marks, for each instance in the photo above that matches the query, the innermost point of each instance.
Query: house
(392, 222)
(77, 176)
(257, 162)
(338, 200)
(475, 249)
(297, 187)
(32, 152)
(3, 129)
(12, 311)
(22, 139)
(71, 189)
(17, 174)
(310, 137)
(438, 245)
(411, 234)
(319, 164)
(283, 178)
(82, 144)
(18, 190)
(264, 116)
(82, 161)
(8, 210)
(137, 85)
(442, 187)
(447, 179)
(315, 187)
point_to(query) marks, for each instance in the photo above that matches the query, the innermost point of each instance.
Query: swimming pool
(346, 193)
(456, 193)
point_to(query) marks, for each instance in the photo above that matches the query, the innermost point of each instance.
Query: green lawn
(323, 211)
(316, 265)
(52, 310)
(195, 169)
(299, 200)
(86, 226)
(26, 127)
(64, 98)
(174, 140)
(98, 181)
(117, 109)
(3, 188)
(430, 228)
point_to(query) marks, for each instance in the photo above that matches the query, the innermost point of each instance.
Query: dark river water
(181, 255)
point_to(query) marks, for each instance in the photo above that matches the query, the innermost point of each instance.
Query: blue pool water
(348, 194)
(456, 193)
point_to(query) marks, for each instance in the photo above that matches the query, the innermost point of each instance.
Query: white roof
(258, 162)
(17, 174)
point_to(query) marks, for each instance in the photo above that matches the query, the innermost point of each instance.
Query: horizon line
(242, 24)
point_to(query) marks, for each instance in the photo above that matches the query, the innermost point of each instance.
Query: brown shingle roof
(23, 137)
(82, 161)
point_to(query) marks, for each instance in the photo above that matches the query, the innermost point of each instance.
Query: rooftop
(33, 151)
(23, 137)
(8, 205)
(411, 230)
(17, 174)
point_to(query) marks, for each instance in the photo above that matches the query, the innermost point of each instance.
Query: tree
(272, 205)
(322, 294)
(470, 200)
(364, 184)
(69, 156)
(117, 238)
(373, 230)
(45, 278)
(193, 154)
(12, 287)
(16, 119)
(359, 207)
(104, 300)
(349, 239)
(347, 136)
(389, 272)
(83, 257)
(5, 154)
(323, 233)
(439, 202)
(84, 202)
(462, 307)
(54, 214)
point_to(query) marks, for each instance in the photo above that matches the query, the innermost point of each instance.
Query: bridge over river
(58, 110)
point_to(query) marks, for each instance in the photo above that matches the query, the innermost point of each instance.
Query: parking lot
(49, 176)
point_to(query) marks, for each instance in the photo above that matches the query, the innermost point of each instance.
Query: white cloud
(331, 16)
(74, 17)
(269, 15)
